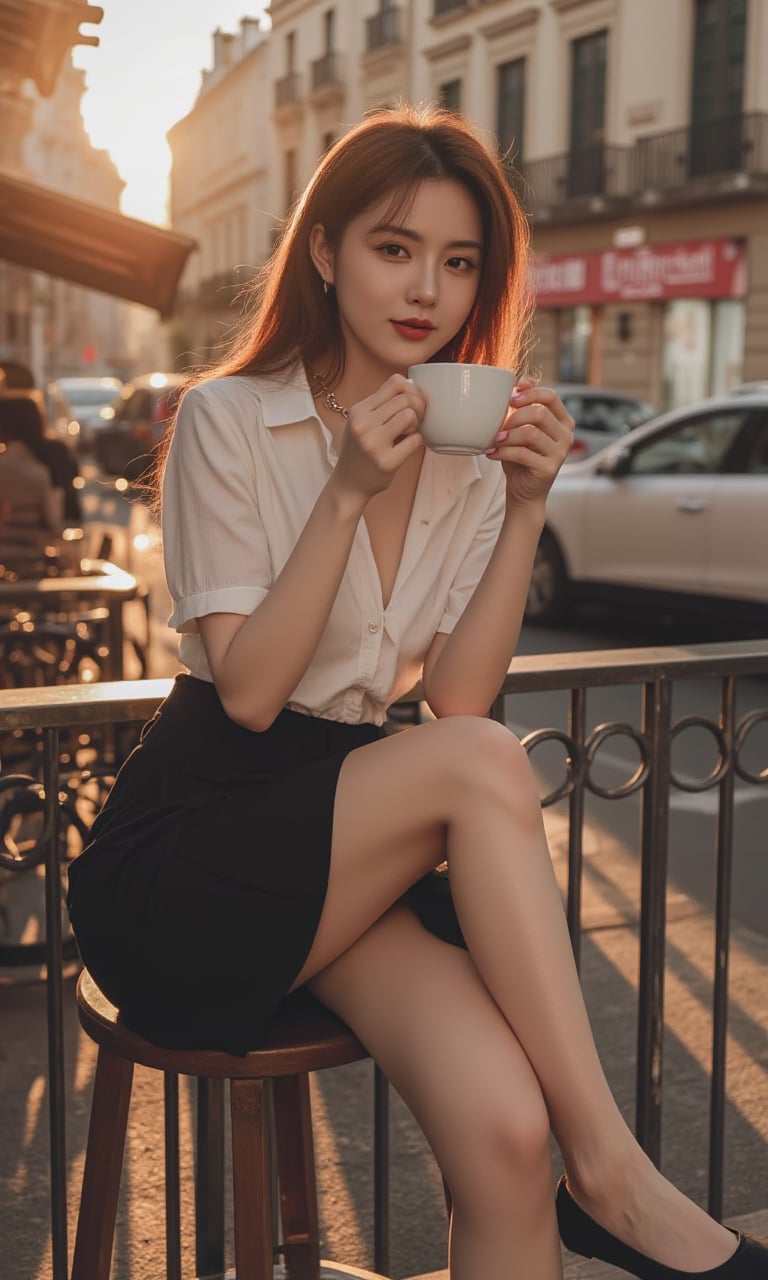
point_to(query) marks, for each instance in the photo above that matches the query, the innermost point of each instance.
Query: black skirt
(197, 899)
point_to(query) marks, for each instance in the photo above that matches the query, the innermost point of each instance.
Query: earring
(326, 286)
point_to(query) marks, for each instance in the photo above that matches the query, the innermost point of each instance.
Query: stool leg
(296, 1175)
(103, 1166)
(172, 1178)
(249, 1108)
(209, 1178)
(380, 1171)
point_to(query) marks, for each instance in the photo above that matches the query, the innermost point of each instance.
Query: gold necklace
(328, 395)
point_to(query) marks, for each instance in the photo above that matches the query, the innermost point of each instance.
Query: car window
(609, 414)
(696, 446)
(757, 457)
(90, 396)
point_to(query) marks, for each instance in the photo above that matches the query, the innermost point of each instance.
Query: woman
(22, 413)
(30, 506)
(263, 834)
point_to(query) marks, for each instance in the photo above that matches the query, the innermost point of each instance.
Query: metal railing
(383, 29)
(667, 161)
(50, 713)
(733, 144)
(326, 71)
(588, 172)
(288, 90)
(439, 7)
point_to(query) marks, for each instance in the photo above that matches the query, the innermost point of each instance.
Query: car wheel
(548, 589)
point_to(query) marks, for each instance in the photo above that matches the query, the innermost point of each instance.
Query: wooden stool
(302, 1037)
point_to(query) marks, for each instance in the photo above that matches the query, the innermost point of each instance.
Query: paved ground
(343, 1112)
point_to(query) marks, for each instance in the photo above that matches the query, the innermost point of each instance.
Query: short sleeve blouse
(248, 460)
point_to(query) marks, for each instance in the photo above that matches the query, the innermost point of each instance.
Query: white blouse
(248, 460)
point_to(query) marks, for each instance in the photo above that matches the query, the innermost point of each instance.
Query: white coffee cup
(466, 404)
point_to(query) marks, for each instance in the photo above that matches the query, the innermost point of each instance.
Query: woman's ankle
(608, 1172)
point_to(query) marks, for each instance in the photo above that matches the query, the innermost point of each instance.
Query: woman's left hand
(533, 442)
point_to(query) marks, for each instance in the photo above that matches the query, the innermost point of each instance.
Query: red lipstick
(415, 329)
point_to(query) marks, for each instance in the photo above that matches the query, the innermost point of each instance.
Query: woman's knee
(484, 757)
(506, 1166)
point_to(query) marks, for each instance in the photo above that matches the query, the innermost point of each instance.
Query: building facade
(636, 134)
(73, 330)
(48, 324)
(219, 190)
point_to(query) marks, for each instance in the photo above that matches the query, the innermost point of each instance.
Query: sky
(145, 75)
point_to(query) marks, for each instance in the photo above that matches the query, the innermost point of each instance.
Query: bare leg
(422, 1010)
(462, 787)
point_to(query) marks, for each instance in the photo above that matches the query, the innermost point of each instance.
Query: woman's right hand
(381, 433)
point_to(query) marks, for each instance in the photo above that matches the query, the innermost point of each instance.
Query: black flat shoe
(581, 1234)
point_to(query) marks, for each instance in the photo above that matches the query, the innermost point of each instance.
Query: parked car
(76, 407)
(675, 512)
(601, 416)
(749, 388)
(127, 443)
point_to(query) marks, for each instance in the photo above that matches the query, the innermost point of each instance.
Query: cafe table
(99, 584)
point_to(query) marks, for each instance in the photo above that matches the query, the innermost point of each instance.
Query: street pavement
(342, 1098)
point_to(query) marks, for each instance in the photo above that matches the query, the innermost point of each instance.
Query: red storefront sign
(696, 269)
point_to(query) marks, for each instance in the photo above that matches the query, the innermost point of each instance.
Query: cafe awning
(89, 245)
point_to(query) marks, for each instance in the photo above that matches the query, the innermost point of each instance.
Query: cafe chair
(268, 1084)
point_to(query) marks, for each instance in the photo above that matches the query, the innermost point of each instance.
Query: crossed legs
(462, 788)
(427, 1018)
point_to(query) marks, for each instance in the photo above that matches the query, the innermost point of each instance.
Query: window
(450, 95)
(329, 30)
(697, 447)
(717, 89)
(757, 461)
(290, 176)
(589, 59)
(611, 415)
(703, 348)
(510, 108)
(576, 336)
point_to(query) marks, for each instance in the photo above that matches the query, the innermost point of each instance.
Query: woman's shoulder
(239, 389)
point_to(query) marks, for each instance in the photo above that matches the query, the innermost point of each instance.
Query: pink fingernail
(516, 396)
(502, 435)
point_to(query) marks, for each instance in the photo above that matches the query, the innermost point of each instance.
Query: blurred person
(264, 833)
(56, 455)
(30, 505)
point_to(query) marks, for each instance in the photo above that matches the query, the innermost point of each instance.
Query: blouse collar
(286, 399)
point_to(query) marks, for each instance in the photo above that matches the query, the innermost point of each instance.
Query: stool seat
(301, 1036)
(269, 1084)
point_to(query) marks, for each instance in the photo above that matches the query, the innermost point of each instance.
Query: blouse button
(373, 627)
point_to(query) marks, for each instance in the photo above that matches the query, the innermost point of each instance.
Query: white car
(79, 406)
(675, 512)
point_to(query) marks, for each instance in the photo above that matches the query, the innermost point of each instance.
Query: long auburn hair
(389, 153)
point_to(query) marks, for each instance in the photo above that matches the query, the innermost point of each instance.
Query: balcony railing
(734, 144)
(326, 71)
(441, 7)
(677, 161)
(383, 29)
(600, 171)
(288, 90)
(56, 717)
